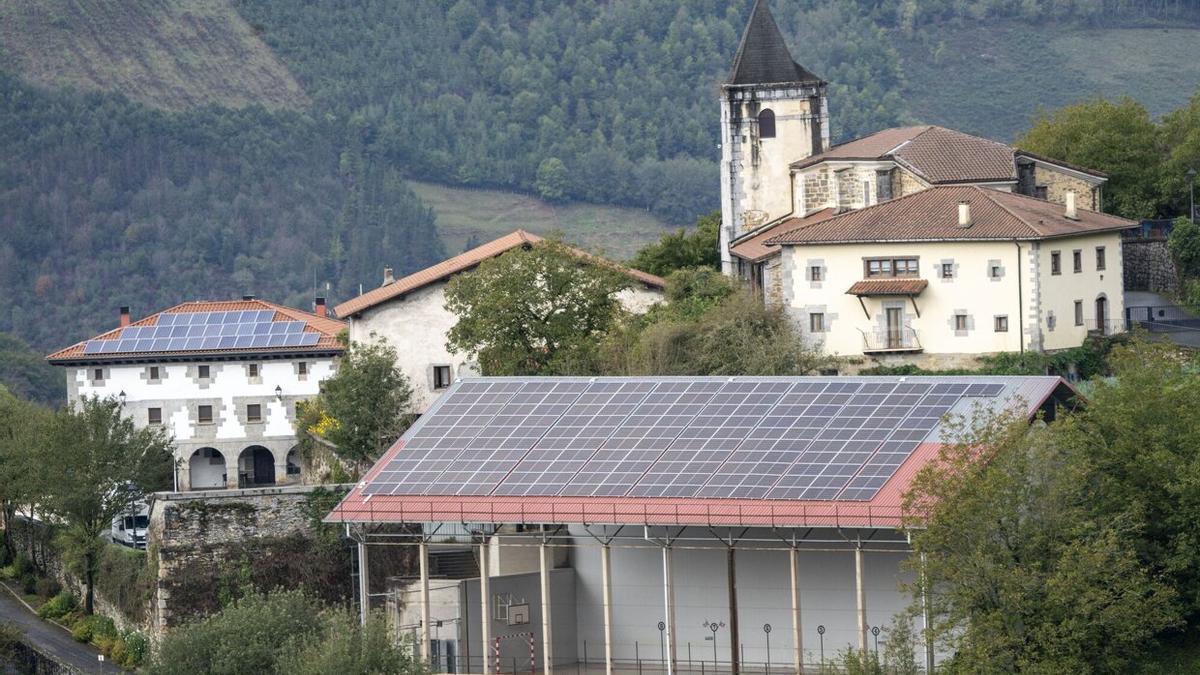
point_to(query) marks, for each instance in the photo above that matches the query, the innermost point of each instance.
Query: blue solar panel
(749, 438)
(192, 331)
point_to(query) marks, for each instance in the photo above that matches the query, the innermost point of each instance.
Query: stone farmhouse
(223, 377)
(410, 314)
(994, 216)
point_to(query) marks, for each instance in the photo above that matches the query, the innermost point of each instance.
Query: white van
(130, 529)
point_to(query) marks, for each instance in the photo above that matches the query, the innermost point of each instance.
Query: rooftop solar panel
(191, 331)
(749, 438)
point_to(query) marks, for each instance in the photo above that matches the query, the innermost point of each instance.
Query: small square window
(815, 272)
(154, 416)
(1078, 312)
(203, 372)
(254, 412)
(441, 377)
(960, 322)
(98, 374)
(994, 272)
(1002, 324)
(1077, 260)
(947, 270)
(816, 322)
(154, 374)
(1055, 262)
(302, 367)
(253, 369)
(204, 414)
(1101, 263)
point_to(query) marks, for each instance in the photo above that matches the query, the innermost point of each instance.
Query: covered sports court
(705, 524)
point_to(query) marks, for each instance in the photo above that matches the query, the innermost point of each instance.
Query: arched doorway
(1102, 315)
(206, 469)
(293, 464)
(256, 467)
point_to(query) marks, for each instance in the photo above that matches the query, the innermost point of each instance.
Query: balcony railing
(901, 339)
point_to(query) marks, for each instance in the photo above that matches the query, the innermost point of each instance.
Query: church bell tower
(773, 112)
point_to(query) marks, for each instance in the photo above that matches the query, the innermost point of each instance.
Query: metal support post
(544, 554)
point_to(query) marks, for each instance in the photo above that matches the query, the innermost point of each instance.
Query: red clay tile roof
(936, 154)
(460, 263)
(869, 287)
(932, 215)
(327, 327)
(752, 247)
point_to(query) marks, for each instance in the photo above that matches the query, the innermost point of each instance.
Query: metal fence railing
(900, 339)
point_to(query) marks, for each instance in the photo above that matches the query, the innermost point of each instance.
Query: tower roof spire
(763, 56)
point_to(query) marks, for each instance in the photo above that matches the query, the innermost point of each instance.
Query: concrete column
(669, 607)
(423, 553)
(797, 630)
(862, 598)
(485, 609)
(364, 585)
(546, 562)
(606, 590)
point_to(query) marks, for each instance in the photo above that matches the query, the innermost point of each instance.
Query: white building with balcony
(944, 275)
(222, 377)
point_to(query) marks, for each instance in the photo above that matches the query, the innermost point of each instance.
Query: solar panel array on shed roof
(800, 438)
(190, 331)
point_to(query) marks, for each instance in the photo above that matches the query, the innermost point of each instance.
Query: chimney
(248, 296)
(964, 214)
(388, 277)
(320, 306)
(1071, 212)
(124, 315)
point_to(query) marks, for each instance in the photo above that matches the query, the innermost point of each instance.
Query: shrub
(47, 588)
(58, 606)
(93, 629)
(10, 635)
(5, 556)
(21, 566)
(29, 583)
(130, 649)
(125, 580)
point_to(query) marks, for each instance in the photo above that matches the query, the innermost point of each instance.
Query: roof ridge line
(1009, 211)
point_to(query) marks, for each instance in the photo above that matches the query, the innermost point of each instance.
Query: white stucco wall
(1060, 292)
(417, 325)
(179, 392)
(972, 291)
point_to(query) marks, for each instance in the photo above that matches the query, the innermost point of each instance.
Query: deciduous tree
(98, 465)
(540, 310)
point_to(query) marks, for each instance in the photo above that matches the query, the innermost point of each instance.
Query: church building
(919, 244)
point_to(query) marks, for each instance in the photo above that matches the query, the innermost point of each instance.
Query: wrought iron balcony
(887, 340)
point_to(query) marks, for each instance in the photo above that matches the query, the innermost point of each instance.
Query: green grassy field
(991, 78)
(170, 54)
(488, 214)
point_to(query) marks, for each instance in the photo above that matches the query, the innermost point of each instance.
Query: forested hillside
(155, 151)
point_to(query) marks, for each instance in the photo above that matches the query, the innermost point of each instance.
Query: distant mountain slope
(467, 216)
(166, 53)
(991, 77)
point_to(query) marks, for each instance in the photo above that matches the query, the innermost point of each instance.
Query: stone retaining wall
(197, 527)
(1148, 266)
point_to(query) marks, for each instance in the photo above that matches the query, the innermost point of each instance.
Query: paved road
(51, 638)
